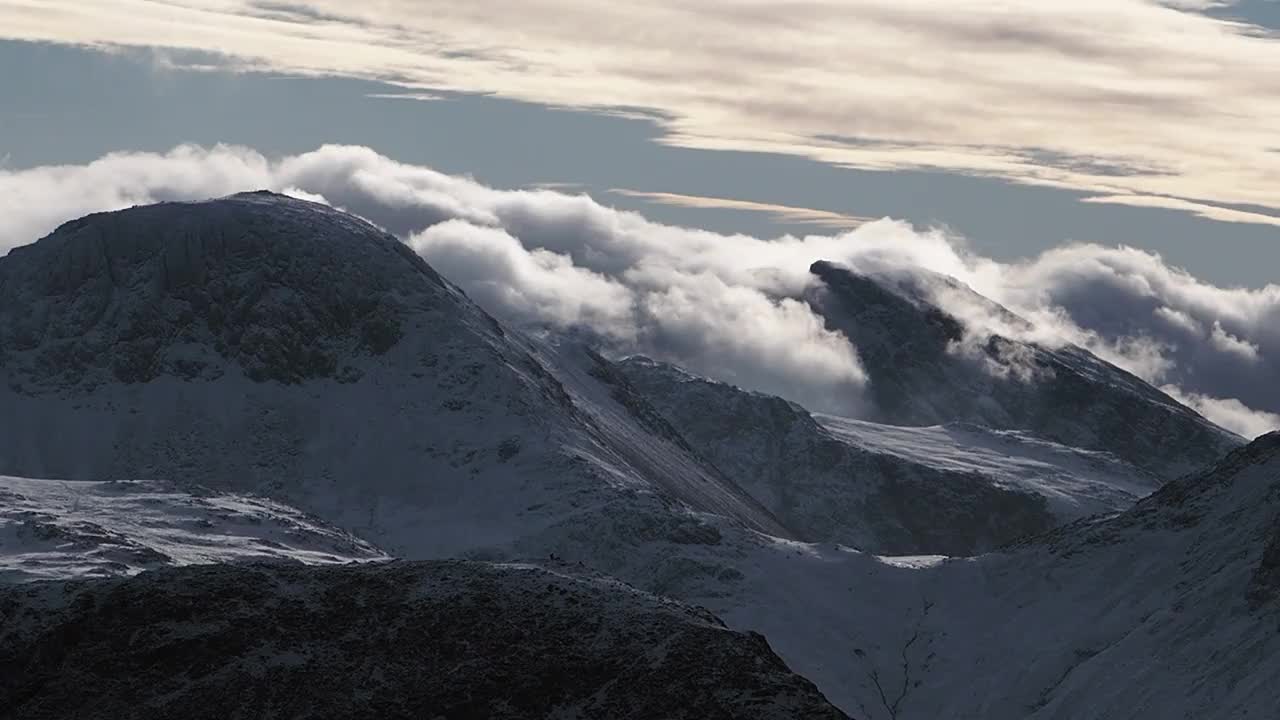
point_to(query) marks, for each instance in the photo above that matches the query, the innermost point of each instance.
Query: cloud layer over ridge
(721, 305)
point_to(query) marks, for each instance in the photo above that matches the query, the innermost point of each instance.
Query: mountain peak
(926, 367)
(287, 289)
(889, 312)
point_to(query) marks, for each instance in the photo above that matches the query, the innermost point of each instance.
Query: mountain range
(257, 402)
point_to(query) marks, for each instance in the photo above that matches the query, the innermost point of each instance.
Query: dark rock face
(404, 640)
(287, 289)
(909, 347)
(825, 490)
(920, 511)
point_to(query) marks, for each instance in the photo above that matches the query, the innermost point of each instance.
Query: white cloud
(1136, 101)
(738, 334)
(1225, 342)
(532, 286)
(720, 304)
(419, 96)
(1215, 346)
(1228, 412)
(1211, 212)
(35, 201)
(1179, 320)
(689, 296)
(304, 195)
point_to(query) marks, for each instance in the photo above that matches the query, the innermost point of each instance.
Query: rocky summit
(284, 289)
(928, 366)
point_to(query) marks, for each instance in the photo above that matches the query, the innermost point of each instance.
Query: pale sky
(1018, 125)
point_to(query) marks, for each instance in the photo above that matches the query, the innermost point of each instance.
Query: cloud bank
(1141, 102)
(722, 305)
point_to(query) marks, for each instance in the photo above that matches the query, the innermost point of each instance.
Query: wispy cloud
(420, 96)
(1212, 212)
(560, 186)
(785, 213)
(1117, 98)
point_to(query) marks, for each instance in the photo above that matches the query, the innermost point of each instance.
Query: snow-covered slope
(954, 490)
(269, 345)
(1074, 482)
(623, 419)
(54, 529)
(1167, 610)
(927, 368)
(399, 640)
(1170, 610)
(261, 344)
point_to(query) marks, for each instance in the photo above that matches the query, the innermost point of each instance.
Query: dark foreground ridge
(448, 639)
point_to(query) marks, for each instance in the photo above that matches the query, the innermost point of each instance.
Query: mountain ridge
(455, 436)
(465, 438)
(926, 367)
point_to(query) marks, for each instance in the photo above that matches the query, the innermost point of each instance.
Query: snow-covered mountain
(926, 367)
(55, 529)
(399, 640)
(269, 345)
(953, 490)
(1167, 610)
(261, 346)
